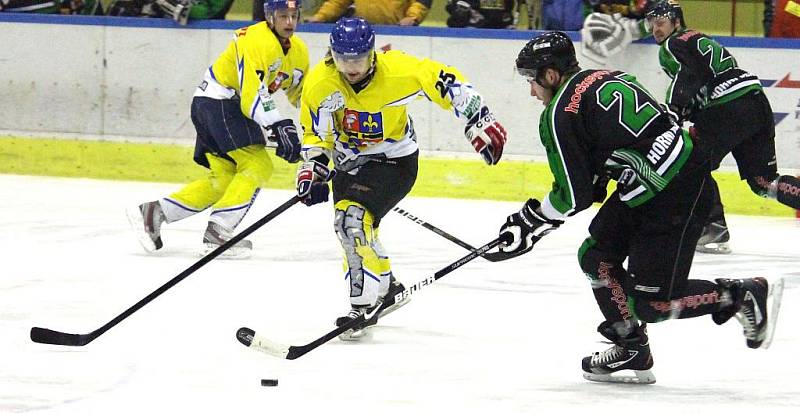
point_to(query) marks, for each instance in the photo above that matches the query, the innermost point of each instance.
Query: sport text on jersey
(688, 35)
(575, 100)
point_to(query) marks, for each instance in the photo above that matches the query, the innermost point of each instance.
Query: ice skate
(360, 330)
(756, 304)
(146, 220)
(627, 361)
(390, 304)
(216, 235)
(714, 239)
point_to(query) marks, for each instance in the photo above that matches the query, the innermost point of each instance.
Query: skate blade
(714, 248)
(355, 335)
(623, 376)
(774, 297)
(232, 253)
(394, 307)
(137, 224)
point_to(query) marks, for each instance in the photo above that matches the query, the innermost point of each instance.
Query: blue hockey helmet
(352, 37)
(547, 50)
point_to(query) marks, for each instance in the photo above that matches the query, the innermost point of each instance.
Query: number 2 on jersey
(719, 58)
(633, 116)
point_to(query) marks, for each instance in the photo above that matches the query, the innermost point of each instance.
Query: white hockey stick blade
(250, 339)
(623, 376)
(774, 297)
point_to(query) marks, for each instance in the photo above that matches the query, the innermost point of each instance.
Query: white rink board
(102, 77)
(505, 337)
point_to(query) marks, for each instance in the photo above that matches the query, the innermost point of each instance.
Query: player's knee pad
(761, 184)
(353, 226)
(596, 265)
(254, 162)
(222, 172)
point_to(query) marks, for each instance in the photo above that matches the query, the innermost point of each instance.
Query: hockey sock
(787, 190)
(701, 298)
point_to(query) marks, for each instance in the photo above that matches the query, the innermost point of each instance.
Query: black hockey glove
(600, 188)
(526, 227)
(312, 182)
(284, 133)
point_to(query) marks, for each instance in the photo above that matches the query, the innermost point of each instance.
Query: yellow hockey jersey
(253, 66)
(344, 124)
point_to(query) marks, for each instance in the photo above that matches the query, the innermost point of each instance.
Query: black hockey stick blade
(488, 256)
(249, 338)
(47, 336)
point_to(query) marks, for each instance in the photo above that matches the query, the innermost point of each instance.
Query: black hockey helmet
(551, 49)
(670, 9)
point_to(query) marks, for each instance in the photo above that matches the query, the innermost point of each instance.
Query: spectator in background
(86, 7)
(565, 15)
(400, 12)
(785, 21)
(486, 14)
(179, 10)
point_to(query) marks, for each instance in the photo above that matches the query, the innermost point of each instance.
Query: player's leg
(253, 169)
(756, 158)
(601, 257)
(662, 289)
(147, 218)
(362, 199)
(232, 136)
(353, 224)
(714, 238)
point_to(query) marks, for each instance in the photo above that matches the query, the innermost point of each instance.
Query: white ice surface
(501, 337)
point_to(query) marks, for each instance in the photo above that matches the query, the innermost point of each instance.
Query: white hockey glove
(486, 135)
(177, 9)
(312, 182)
(605, 35)
(525, 228)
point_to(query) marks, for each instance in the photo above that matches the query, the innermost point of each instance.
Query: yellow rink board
(451, 178)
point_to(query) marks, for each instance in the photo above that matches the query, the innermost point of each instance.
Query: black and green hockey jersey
(604, 123)
(703, 72)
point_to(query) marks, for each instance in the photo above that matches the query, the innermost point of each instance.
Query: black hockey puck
(269, 382)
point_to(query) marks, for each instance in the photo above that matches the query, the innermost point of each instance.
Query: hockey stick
(47, 336)
(489, 256)
(249, 338)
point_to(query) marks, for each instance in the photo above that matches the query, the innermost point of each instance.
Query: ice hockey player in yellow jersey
(353, 113)
(229, 109)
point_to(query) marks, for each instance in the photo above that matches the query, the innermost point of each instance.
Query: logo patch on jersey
(363, 128)
(276, 84)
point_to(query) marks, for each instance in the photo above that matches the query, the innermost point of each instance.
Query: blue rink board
(753, 42)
